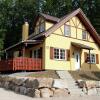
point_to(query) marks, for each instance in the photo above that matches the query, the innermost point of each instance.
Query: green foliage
(13, 13)
(57, 8)
(91, 9)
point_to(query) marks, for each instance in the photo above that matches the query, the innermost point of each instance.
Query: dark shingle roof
(48, 17)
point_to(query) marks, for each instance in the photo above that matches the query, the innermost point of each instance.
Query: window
(91, 59)
(84, 35)
(67, 30)
(59, 54)
(35, 53)
(62, 54)
(42, 27)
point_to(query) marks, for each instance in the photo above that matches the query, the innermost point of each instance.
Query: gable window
(67, 30)
(42, 27)
(91, 59)
(84, 35)
(59, 54)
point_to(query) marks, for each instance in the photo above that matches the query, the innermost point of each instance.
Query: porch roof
(82, 46)
(23, 43)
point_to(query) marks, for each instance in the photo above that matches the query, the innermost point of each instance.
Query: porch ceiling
(82, 46)
(23, 43)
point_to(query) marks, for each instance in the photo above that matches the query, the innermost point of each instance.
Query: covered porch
(21, 62)
(81, 55)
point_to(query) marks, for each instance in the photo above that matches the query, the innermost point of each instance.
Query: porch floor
(85, 75)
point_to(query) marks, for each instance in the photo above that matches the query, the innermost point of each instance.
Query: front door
(77, 60)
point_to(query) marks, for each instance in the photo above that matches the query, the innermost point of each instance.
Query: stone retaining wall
(89, 87)
(35, 87)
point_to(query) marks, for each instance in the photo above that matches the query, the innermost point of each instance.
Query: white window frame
(90, 59)
(59, 54)
(84, 34)
(67, 30)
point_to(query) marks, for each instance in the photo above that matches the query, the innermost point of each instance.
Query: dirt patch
(45, 74)
(85, 75)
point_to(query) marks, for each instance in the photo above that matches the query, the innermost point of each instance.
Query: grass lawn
(85, 75)
(45, 74)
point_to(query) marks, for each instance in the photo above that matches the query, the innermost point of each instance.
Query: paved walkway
(8, 95)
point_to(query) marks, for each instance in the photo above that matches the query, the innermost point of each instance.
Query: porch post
(6, 55)
(89, 58)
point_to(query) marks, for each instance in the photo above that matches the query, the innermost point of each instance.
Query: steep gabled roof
(79, 13)
(46, 17)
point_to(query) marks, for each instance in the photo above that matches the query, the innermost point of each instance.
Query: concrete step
(72, 86)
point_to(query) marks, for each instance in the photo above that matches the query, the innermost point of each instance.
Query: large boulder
(23, 90)
(92, 91)
(30, 92)
(46, 92)
(59, 83)
(37, 93)
(19, 82)
(6, 85)
(61, 93)
(90, 84)
(98, 91)
(31, 83)
(97, 84)
(45, 82)
(80, 83)
(17, 89)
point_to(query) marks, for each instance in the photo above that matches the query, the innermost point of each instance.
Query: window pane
(36, 53)
(62, 54)
(66, 30)
(84, 35)
(42, 27)
(56, 53)
(91, 59)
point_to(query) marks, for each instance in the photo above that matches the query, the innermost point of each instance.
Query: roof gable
(79, 13)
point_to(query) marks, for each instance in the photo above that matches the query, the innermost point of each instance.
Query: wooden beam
(89, 58)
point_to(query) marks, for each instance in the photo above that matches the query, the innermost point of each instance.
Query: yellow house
(67, 43)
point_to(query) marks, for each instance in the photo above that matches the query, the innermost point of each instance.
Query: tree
(96, 20)
(14, 13)
(57, 8)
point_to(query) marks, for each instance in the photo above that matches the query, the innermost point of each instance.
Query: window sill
(90, 63)
(59, 59)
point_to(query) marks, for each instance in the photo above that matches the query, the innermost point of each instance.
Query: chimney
(25, 31)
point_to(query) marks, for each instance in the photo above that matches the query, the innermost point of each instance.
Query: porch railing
(21, 63)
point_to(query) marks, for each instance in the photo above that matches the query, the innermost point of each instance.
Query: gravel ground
(9, 95)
